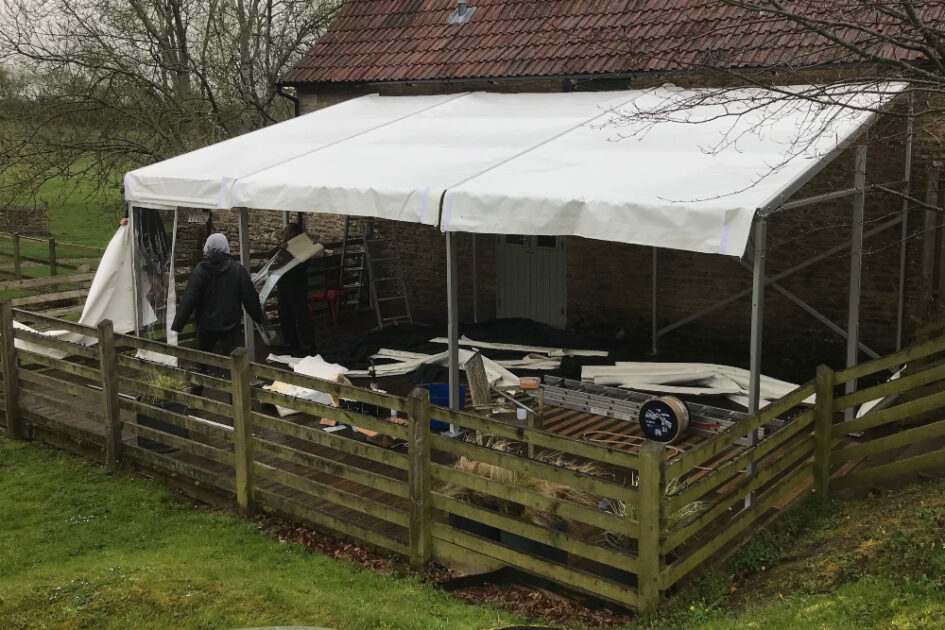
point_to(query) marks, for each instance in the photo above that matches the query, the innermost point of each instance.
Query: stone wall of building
(26, 220)
(265, 230)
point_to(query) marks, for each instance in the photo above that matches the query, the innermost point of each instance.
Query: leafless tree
(816, 56)
(119, 83)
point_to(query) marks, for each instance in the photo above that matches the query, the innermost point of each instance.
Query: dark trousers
(219, 341)
(226, 340)
(294, 316)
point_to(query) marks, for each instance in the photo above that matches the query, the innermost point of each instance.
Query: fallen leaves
(540, 605)
(286, 531)
(535, 604)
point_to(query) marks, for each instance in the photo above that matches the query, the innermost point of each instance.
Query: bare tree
(120, 83)
(824, 44)
(811, 56)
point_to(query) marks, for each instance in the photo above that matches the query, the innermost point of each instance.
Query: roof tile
(404, 40)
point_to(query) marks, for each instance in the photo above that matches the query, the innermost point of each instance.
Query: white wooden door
(531, 278)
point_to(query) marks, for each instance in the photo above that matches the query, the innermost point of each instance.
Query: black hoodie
(217, 288)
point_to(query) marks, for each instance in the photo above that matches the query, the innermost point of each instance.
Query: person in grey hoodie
(218, 290)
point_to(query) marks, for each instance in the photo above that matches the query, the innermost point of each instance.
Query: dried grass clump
(173, 380)
(631, 511)
(523, 481)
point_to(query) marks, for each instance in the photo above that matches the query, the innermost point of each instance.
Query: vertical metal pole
(285, 218)
(134, 270)
(452, 296)
(452, 291)
(856, 262)
(245, 260)
(757, 313)
(656, 303)
(475, 280)
(170, 311)
(757, 332)
(904, 233)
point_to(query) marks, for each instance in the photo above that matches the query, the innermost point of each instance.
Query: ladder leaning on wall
(370, 256)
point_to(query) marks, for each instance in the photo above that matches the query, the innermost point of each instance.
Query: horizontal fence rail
(366, 465)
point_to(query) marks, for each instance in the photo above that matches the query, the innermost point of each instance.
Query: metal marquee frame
(760, 279)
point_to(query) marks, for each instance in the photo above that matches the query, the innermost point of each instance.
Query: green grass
(80, 548)
(81, 211)
(877, 563)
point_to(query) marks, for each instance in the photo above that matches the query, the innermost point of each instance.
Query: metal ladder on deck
(371, 253)
(353, 264)
(624, 404)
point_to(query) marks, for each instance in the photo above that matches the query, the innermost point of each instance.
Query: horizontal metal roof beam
(837, 194)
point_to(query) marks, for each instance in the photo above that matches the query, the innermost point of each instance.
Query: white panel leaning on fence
(111, 297)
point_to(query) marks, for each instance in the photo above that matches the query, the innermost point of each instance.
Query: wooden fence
(17, 251)
(622, 526)
(41, 275)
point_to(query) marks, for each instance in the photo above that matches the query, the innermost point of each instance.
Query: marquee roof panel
(624, 166)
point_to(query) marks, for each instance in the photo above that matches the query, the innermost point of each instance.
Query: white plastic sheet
(315, 367)
(301, 248)
(697, 379)
(545, 350)
(111, 296)
(548, 164)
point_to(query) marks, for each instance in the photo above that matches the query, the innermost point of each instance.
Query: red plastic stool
(326, 295)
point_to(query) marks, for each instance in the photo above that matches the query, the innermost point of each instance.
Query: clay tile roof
(404, 40)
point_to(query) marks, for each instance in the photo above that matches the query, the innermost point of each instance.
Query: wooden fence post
(11, 383)
(651, 488)
(17, 272)
(52, 257)
(418, 476)
(243, 431)
(108, 363)
(823, 429)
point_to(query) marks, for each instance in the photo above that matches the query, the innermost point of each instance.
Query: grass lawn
(873, 563)
(80, 210)
(80, 548)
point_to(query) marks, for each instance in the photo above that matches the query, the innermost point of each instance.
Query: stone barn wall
(25, 220)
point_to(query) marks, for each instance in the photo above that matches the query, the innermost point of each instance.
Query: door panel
(531, 278)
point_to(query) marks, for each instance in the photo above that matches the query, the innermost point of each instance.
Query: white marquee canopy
(583, 163)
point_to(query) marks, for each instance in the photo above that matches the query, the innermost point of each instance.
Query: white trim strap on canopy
(546, 164)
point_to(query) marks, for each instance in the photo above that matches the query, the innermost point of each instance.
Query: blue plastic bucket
(440, 395)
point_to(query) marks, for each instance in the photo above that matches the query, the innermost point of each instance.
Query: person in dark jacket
(218, 290)
(298, 331)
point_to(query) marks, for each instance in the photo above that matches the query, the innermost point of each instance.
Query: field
(84, 549)
(80, 213)
(80, 210)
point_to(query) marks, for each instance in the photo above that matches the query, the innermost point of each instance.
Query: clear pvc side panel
(154, 255)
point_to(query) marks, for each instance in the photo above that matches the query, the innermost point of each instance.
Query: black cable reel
(664, 419)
